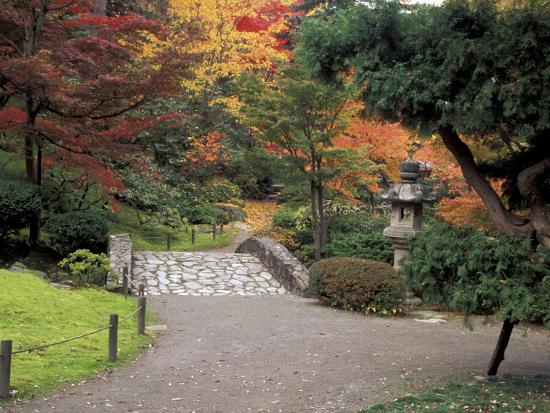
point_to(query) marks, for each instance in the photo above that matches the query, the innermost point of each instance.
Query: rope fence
(170, 238)
(6, 346)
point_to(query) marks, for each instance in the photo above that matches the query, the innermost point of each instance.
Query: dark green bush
(86, 268)
(18, 203)
(468, 271)
(357, 223)
(285, 218)
(357, 284)
(541, 304)
(77, 230)
(371, 245)
(304, 236)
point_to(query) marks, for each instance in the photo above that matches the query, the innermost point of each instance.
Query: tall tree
(55, 93)
(470, 72)
(299, 119)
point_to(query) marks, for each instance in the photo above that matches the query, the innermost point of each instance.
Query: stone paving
(198, 274)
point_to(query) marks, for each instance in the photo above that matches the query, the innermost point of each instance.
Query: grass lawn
(126, 221)
(35, 313)
(502, 394)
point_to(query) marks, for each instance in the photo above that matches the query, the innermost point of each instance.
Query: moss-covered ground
(32, 313)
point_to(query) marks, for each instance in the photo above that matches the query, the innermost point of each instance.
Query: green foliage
(356, 284)
(358, 223)
(479, 67)
(18, 203)
(504, 394)
(373, 246)
(221, 190)
(468, 271)
(86, 268)
(359, 235)
(66, 189)
(285, 217)
(77, 230)
(541, 304)
(155, 196)
(251, 169)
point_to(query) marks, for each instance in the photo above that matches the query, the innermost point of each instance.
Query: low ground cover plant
(507, 394)
(357, 284)
(86, 268)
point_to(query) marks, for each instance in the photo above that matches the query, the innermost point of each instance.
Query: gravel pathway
(280, 353)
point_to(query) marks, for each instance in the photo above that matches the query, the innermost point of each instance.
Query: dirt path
(286, 354)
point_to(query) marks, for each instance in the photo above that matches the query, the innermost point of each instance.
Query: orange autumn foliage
(208, 149)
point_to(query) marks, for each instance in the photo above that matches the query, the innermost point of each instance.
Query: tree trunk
(315, 221)
(504, 219)
(503, 340)
(322, 216)
(29, 157)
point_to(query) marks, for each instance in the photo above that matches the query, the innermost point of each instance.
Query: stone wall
(283, 265)
(120, 253)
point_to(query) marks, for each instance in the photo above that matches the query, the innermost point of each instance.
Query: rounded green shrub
(357, 284)
(86, 268)
(285, 218)
(18, 203)
(77, 230)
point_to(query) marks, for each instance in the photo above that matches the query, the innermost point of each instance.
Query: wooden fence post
(125, 282)
(142, 305)
(5, 368)
(193, 235)
(168, 241)
(141, 290)
(113, 337)
(214, 232)
(221, 228)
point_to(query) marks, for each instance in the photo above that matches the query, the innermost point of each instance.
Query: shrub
(285, 217)
(221, 190)
(541, 305)
(18, 203)
(233, 213)
(86, 268)
(358, 223)
(77, 230)
(357, 284)
(372, 245)
(468, 271)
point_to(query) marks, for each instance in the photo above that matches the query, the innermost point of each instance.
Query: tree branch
(12, 44)
(504, 219)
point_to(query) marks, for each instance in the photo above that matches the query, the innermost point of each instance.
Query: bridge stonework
(259, 267)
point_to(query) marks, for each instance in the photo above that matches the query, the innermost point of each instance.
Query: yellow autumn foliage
(225, 51)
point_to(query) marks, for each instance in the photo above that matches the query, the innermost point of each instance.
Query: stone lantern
(407, 198)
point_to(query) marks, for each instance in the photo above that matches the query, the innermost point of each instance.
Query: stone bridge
(260, 267)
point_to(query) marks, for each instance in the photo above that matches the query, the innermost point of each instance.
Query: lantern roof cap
(409, 169)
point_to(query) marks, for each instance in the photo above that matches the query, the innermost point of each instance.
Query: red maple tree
(72, 81)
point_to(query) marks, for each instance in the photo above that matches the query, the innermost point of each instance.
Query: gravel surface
(287, 354)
